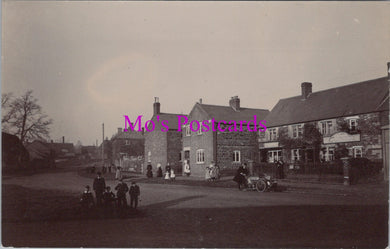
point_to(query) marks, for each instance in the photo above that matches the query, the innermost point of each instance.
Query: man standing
(280, 170)
(134, 193)
(99, 185)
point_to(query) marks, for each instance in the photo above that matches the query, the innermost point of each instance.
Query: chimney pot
(156, 106)
(235, 103)
(306, 88)
(63, 139)
(119, 130)
(200, 101)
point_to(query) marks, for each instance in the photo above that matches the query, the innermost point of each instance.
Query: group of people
(168, 175)
(106, 199)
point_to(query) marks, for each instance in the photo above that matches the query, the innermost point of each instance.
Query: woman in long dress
(187, 170)
(159, 170)
(118, 173)
(207, 175)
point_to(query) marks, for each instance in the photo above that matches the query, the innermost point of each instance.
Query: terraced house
(316, 126)
(227, 149)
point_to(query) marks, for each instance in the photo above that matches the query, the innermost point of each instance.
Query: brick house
(227, 149)
(127, 146)
(348, 117)
(163, 146)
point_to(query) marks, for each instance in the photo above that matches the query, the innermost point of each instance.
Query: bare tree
(6, 99)
(25, 119)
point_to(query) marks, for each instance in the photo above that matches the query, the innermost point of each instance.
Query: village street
(188, 216)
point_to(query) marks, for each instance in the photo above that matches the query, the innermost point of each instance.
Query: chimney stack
(156, 106)
(306, 89)
(63, 139)
(388, 70)
(200, 101)
(235, 103)
(119, 130)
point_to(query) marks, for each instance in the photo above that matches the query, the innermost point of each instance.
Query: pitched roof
(170, 117)
(61, 147)
(128, 135)
(364, 97)
(38, 149)
(227, 113)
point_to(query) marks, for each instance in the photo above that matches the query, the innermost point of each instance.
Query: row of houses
(353, 117)
(37, 153)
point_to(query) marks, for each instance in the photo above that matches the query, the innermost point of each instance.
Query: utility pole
(103, 146)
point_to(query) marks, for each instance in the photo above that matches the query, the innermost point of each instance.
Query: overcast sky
(93, 62)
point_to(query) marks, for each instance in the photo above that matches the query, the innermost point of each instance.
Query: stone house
(163, 146)
(349, 117)
(228, 149)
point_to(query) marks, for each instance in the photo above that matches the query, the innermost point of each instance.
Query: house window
(199, 132)
(236, 156)
(273, 134)
(328, 154)
(188, 131)
(297, 131)
(200, 156)
(326, 127)
(357, 151)
(296, 154)
(186, 154)
(352, 124)
(261, 134)
(274, 156)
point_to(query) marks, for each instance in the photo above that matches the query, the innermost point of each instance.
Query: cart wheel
(261, 186)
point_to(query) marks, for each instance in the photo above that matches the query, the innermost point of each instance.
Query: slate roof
(227, 113)
(359, 98)
(170, 117)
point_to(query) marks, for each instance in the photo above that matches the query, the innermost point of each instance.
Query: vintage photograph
(195, 124)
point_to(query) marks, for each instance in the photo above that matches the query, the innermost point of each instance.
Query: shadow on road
(165, 204)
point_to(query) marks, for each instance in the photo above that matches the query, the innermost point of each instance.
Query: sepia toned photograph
(195, 124)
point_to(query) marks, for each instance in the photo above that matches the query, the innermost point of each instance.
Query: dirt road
(187, 216)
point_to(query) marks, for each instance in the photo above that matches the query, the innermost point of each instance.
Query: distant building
(349, 116)
(89, 152)
(227, 149)
(128, 149)
(14, 154)
(62, 150)
(41, 154)
(160, 146)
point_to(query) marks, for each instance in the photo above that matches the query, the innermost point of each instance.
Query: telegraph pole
(103, 146)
